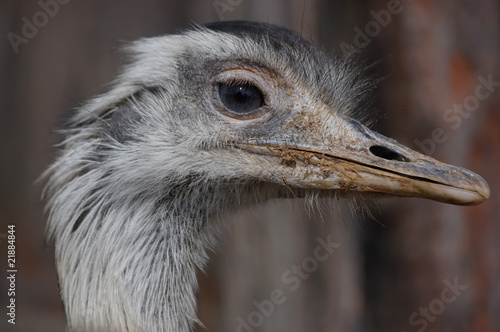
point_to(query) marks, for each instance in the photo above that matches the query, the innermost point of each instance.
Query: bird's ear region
(120, 123)
(124, 119)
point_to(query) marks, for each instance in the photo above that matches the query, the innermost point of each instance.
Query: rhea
(197, 125)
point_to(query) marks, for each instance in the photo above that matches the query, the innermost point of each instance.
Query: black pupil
(241, 98)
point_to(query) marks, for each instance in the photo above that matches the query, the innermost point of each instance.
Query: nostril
(386, 153)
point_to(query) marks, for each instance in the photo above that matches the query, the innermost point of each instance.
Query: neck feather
(131, 265)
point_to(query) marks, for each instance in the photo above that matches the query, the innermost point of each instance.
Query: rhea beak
(356, 159)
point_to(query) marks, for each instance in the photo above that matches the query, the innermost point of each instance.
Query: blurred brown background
(391, 269)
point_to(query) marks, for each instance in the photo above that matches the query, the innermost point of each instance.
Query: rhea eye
(242, 98)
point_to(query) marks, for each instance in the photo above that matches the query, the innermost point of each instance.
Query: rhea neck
(133, 267)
